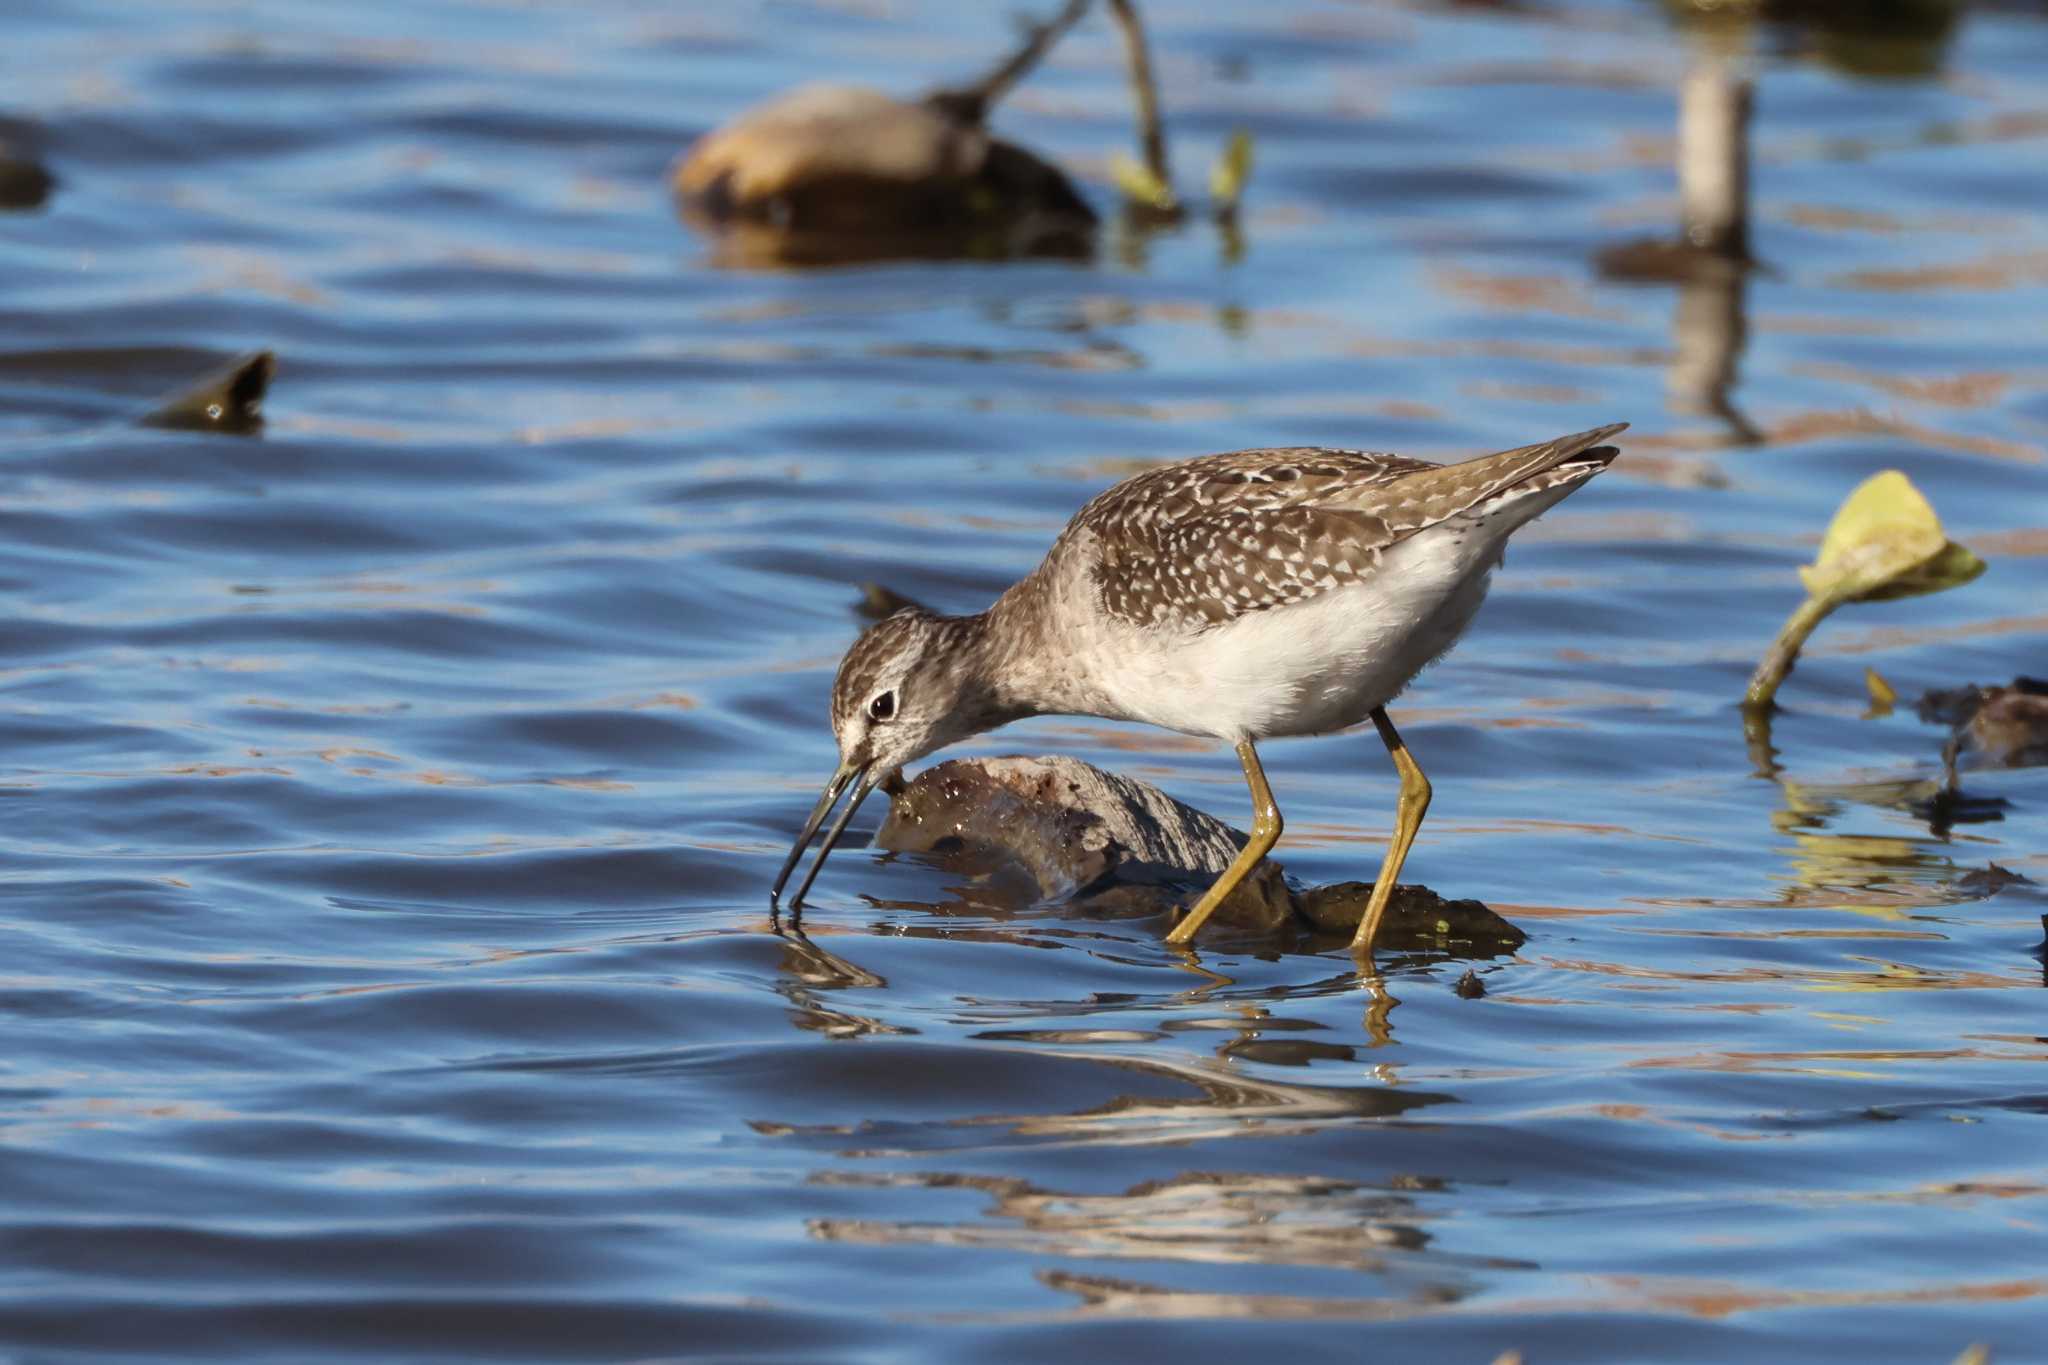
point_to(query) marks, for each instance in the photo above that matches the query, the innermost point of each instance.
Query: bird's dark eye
(883, 707)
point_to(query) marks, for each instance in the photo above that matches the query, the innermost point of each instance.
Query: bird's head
(908, 686)
(903, 690)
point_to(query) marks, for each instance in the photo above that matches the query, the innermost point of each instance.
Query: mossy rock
(1059, 830)
(1417, 918)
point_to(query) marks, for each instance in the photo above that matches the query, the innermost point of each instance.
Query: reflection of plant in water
(1874, 39)
(1709, 259)
(1884, 875)
(1887, 876)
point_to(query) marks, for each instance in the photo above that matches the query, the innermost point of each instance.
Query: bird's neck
(1022, 668)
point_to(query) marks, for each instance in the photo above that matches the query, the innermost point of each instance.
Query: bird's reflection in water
(1103, 1296)
(1206, 1218)
(1024, 894)
(999, 897)
(1205, 1097)
(1199, 1218)
(809, 971)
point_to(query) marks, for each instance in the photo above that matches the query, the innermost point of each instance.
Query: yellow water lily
(1884, 543)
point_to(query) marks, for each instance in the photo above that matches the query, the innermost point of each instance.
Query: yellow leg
(1265, 833)
(1408, 813)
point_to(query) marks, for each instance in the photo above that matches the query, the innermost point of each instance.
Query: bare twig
(971, 103)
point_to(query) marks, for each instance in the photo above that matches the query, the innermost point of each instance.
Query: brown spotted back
(1201, 542)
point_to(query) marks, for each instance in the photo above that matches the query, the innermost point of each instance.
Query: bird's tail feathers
(1446, 490)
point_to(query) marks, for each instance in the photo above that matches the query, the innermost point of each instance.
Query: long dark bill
(848, 775)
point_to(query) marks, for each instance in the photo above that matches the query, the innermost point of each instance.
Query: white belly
(1315, 666)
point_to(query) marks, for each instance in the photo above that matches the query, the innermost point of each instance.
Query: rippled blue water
(389, 800)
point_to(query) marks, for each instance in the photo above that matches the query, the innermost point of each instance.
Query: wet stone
(1990, 879)
(1416, 918)
(816, 157)
(1068, 831)
(2011, 727)
(2006, 724)
(834, 173)
(24, 182)
(229, 400)
(1059, 830)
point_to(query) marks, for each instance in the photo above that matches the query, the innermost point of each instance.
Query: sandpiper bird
(1246, 595)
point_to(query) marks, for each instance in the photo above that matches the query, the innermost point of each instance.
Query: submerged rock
(229, 400)
(1058, 829)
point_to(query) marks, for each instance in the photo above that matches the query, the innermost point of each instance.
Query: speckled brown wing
(1205, 541)
(1199, 543)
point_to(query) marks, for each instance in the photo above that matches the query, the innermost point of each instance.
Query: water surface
(390, 799)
